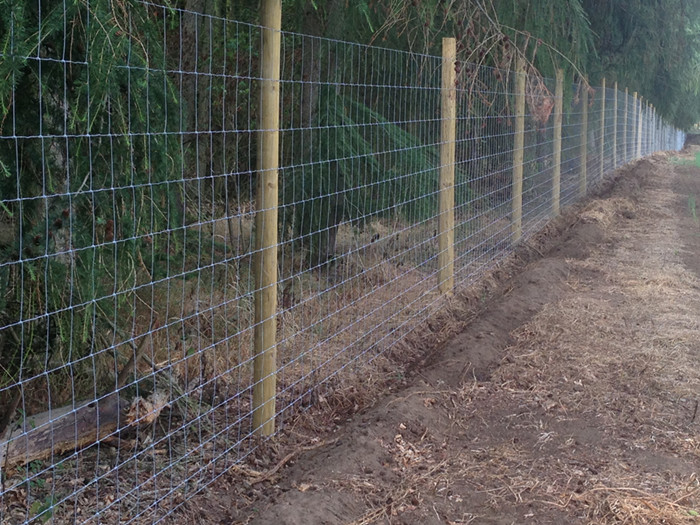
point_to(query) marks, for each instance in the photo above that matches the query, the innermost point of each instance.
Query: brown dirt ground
(571, 396)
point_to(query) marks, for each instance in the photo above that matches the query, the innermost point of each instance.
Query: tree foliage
(653, 47)
(649, 46)
(85, 98)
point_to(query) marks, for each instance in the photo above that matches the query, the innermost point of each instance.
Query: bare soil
(570, 396)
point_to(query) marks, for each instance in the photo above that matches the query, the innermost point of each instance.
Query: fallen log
(58, 431)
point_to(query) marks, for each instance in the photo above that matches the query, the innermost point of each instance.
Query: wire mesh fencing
(130, 149)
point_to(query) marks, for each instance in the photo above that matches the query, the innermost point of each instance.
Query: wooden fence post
(640, 127)
(647, 128)
(558, 111)
(583, 182)
(615, 126)
(634, 125)
(448, 119)
(650, 127)
(602, 132)
(625, 141)
(650, 136)
(265, 260)
(518, 146)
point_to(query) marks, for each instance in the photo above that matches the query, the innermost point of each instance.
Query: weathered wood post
(558, 112)
(614, 150)
(518, 147)
(265, 259)
(602, 132)
(448, 133)
(583, 174)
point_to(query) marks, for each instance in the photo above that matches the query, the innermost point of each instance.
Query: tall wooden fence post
(650, 127)
(518, 147)
(647, 127)
(558, 112)
(640, 127)
(265, 261)
(626, 127)
(614, 149)
(448, 118)
(633, 143)
(583, 174)
(602, 132)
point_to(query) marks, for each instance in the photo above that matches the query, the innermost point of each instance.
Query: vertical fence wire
(129, 153)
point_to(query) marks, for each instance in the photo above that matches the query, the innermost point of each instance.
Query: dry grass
(629, 505)
(626, 353)
(589, 334)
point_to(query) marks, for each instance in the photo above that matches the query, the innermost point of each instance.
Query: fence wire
(129, 147)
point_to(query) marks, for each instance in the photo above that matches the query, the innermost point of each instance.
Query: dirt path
(572, 399)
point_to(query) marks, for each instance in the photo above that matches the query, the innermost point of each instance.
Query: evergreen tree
(652, 47)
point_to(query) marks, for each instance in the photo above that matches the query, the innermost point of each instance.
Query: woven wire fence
(128, 151)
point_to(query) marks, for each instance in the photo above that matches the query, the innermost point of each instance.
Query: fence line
(165, 295)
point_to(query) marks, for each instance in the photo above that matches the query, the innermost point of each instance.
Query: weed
(41, 509)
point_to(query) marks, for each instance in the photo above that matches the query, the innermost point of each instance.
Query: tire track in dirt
(572, 398)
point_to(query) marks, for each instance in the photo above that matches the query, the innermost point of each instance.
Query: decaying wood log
(57, 431)
(70, 428)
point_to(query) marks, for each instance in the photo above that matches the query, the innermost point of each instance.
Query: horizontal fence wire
(129, 148)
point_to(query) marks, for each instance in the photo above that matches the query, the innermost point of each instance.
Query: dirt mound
(474, 352)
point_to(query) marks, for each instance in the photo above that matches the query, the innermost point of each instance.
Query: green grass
(678, 161)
